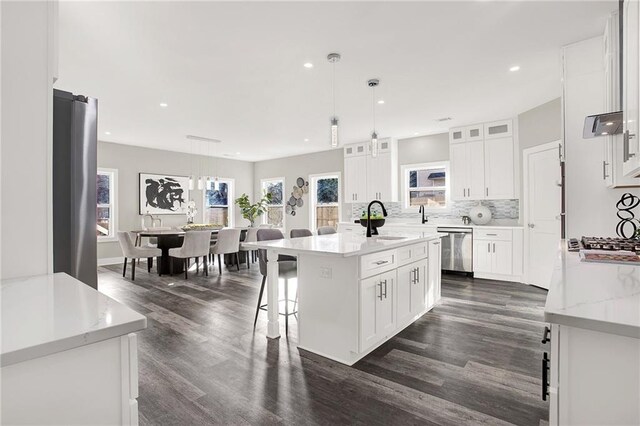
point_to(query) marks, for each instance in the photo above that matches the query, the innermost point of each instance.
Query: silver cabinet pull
(604, 170)
(417, 275)
(385, 288)
(380, 295)
(381, 262)
(493, 235)
(487, 191)
(488, 247)
(494, 247)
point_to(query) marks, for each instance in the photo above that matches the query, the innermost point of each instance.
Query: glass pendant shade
(374, 144)
(216, 185)
(200, 183)
(334, 132)
(190, 183)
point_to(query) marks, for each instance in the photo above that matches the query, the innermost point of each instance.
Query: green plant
(252, 211)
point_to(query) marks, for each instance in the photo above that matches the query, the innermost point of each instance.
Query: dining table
(172, 238)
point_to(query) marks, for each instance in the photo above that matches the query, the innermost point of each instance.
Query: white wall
(27, 78)
(590, 204)
(130, 160)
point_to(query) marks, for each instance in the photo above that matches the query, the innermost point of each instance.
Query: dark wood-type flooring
(474, 359)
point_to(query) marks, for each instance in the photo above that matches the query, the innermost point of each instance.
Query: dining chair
(132, 252)
(251, 236)
(228, 242)
(299, 233)
(195, 245)
(287, 269)
(326, 230)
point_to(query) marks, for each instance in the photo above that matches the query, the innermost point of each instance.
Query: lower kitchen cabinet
(434, 272)
(377, 309)
(591, 377)
(497, 254)
(412, 290)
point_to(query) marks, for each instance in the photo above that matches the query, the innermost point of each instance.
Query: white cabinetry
(367, 177)
(493, 253)
(434, 272)
(377, 309)
(630, 76)
(613, 156)
(412, 290)
(482, 162)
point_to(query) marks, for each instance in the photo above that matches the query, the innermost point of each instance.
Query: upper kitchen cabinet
(371, 178)
(630, 57)
(483, 167)
(467, 133)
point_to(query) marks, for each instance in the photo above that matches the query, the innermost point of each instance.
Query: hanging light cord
(333, 88)
(373, 107)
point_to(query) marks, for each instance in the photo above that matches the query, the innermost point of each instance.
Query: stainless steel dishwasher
(457, 249)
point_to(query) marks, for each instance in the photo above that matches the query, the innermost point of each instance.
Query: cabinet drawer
(493, 234)
(376, 263)
(412, 253)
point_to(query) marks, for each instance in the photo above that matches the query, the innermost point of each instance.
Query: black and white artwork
(163, 194)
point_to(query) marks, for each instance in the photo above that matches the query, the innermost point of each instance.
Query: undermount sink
(389, 238)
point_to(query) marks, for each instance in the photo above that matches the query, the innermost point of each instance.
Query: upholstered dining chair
(326, 230)
(287, 269)
(251, 236)
(130, 251)
(228, 242)
(299, 233)
(195, 245)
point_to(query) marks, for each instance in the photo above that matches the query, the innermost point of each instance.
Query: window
(106, 214)
(426, 185)
(218, 202)
(275, 210)
(325, 200)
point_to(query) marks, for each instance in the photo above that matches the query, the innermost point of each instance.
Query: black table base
(165, 242)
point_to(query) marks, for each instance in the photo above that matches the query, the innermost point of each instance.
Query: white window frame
(406, 168)
(113, 205)
(231, 183)
(263, 191)
(313, 190)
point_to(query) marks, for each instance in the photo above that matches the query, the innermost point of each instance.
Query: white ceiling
(234, 71)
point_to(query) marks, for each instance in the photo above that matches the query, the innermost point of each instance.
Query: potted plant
(252, 211)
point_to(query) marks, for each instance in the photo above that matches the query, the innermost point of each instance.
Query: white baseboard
(110, 261)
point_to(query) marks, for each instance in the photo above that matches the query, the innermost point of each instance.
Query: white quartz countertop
(46, 314)
(596, 296)
(342, 244)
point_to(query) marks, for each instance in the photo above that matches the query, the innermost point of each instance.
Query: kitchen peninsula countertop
(46, 314)
(602, 297)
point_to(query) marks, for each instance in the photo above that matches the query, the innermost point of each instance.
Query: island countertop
(596, 296)
(342, 244)
(46, 314)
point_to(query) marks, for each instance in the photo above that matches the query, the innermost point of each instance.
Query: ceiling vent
(444, 119)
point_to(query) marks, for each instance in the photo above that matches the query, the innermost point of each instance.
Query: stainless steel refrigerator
(75, 141)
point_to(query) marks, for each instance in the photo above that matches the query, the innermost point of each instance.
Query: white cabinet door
(434, 271)
(459, 171)
(475, 167)
(457, 135)
(377, 309)
(355, 173)
(498, 129)
(474, 133)
(630, 56)
(419, 286)
(404, 298)
(379, 180)
(482, 259)
(502, 257)
(498, 169)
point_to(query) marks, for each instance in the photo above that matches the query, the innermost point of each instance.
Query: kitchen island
(591, 372)
(354, 293)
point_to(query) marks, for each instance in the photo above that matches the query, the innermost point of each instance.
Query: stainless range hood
(608, 123)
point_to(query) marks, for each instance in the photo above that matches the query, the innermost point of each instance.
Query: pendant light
(333, 58)
(373, 83)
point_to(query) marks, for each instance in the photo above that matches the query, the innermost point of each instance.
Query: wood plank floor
(474, 359)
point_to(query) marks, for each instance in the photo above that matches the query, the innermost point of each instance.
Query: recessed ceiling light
(308, 65)
(237, 153)
(415, 133)
(609, 123)
(164, 104)
(107, 133)
(604, 133)
(514, 68)
(306, 140)
(381, 101)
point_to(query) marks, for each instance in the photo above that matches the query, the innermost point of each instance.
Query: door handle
(604, 170)
(381, 262)
(385, 288)
(487, 191)
(488, 247)
(531, 225)
(494, 247)
(417, 275)
(380, 295)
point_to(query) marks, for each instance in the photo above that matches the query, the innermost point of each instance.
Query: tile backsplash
(500, 209)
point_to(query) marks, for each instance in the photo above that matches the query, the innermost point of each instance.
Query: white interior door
(542, 212)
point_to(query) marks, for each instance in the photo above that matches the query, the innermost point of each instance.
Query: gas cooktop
(612, 244)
